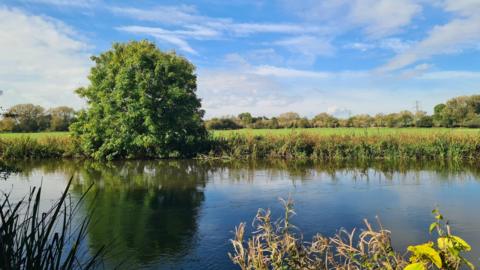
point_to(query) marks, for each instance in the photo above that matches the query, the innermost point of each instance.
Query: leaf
(426, 251)
(415, 266)
(444, 243)
(465, 246)
(432, 227)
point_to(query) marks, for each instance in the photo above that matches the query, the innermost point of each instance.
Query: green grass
(345, 131)
(34, 135)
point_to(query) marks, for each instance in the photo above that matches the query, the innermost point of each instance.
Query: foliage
(447, 254)
(61, 118)
(28, 117)
(32, 239)
(34, 118)
(276, 245)
(141, 104)
(222, 124)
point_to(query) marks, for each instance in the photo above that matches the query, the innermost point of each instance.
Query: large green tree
(142, 103)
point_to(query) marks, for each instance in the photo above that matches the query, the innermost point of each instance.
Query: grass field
(33, 135)
(345, 131)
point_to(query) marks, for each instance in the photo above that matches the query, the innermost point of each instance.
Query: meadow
(345, 131)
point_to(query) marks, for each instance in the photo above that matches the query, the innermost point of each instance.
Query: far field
(346, 131)
(283, 132)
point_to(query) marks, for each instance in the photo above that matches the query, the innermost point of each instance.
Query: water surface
(181, 214)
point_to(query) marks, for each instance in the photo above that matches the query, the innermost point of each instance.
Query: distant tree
(222, 124)
(28, 118)
(7, 124)
(288, 119)
(424, 121)
(459, 110)
(303, 123)
(439, 118)
(391, 120)
(405, 119)
(245, 118)
(142, 102)
(380, 120)
(325, 120)
(362, 120)
(61, 118)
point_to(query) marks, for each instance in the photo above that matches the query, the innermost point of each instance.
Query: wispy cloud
(65, 3)
(377, 18)
(460, 33)
(189, 24)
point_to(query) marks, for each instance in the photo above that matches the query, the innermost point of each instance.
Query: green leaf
(432, 227)
(415, 266)
(426, 251)
(465, 246)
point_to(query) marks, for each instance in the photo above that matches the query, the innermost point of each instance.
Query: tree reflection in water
(145, 211)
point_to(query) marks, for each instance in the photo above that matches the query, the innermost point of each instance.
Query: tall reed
(348, 147)
(33, 239)
(277, 244)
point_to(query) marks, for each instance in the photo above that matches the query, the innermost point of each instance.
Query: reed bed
(293, 146)
(348, 147)
(27, 147)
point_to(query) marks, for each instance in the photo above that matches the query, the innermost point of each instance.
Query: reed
(277, 244)
(348, 147)
(33, 239)
(292, 146)
(26, 147)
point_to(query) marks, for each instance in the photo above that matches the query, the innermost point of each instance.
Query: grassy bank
(315, 144)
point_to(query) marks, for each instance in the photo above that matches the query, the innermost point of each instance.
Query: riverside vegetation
(274, 244)
(294, 145)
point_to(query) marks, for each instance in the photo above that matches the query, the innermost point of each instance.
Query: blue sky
(265, 57)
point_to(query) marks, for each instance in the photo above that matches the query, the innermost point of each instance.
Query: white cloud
(177, 38)
(453, 37)
(310, 47)
(392, 44)
(72, 3)
(191, 25)
(289, 73)
(378, 18)
(383, 17)
(40, 61)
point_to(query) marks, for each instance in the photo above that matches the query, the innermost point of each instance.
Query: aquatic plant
(276, 244)
(34, 239)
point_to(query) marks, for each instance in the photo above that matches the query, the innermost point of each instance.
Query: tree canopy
(141, 103)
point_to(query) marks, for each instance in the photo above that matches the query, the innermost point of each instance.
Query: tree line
(35, 118)
(463, 111)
